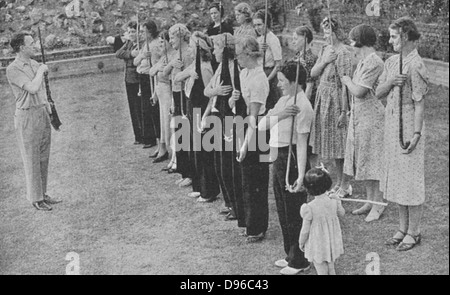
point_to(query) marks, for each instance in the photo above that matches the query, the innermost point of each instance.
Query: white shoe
(185, 182)
(194, 195)
(179, 181)
(290, 271)
(344, 193)
(375, 213)
(282, 263)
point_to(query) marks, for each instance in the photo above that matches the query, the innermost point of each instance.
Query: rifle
(54, 118)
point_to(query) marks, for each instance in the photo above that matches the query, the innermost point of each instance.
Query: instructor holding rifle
(32, 118)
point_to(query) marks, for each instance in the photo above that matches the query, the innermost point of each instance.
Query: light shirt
(188, 58)
(144, 66)
(20, 72)
(274, 52)
(255, 88)
(280, 133)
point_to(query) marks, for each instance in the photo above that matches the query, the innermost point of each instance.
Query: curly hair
(205, 43)
(363, 35)
(408, 26)
(261, 14)
(317, 181)
(305, 31)
(289, 70)
(219, 40)
(176, 29)
(250, 46)
(151, 27)
(246, 10)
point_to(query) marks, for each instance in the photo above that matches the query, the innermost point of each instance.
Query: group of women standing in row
(322, 109)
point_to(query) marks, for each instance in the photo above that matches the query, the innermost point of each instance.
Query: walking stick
(138, 47)
(265, 32)
(403, 145)
(149, 60)
(54, 118)
(181, 92)
(220, 13)
(335, 197)
(290, 187)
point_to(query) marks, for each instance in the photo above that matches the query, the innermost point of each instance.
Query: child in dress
(321, 237)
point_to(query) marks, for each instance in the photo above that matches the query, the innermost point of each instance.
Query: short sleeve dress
(327, 139)
(403, 180)
(364, 150)
(325, 237)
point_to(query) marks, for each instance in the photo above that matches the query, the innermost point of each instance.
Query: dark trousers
(255, 187)
(204, 178)
(150, 114)
(184, 161)
(134, 102)
(288, 208)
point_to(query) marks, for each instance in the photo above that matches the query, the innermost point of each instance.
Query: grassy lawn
(123, 216)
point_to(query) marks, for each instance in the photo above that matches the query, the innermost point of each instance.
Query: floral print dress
(403, 181)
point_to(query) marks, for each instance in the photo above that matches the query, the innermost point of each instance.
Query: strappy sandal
(408, 246)
(395, 241)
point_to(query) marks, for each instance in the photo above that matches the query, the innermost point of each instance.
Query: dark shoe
(395, 241)
(42, 205)
(51, 201)
(230, 216)
(255, 239)
(225, 211)
(148, 146)
(408, 246)
(172, 171)
(162, 158)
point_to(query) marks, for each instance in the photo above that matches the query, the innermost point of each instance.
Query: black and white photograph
(224, 142)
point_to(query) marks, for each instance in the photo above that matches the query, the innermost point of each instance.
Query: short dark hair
(408, 26)
(317, 181)
(261, 14)
(363, 35)
(18, 40)
(289, 70)
(218, 7)
(151, 27)
(132, 25)
(305, 31)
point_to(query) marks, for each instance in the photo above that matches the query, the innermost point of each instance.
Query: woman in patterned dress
(364, 149)
(329, 131)
(404, 181)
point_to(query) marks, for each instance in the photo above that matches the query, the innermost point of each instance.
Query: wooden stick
(358, 201)
(265, 31)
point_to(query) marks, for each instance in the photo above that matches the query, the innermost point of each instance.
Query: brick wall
(65, 54)
(73, 67)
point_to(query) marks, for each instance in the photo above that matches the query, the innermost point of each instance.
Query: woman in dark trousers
(150, 112)
(132, 80)
(205, 186)
(254, 170)
(290, 199)
(219, 91)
